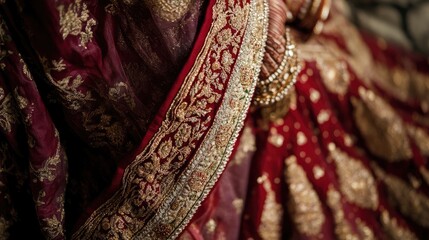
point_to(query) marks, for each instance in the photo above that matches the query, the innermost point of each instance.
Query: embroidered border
(155, 201)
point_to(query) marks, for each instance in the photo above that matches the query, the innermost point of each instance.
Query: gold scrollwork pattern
(75, 20)
(153, 201)
(383, 130)
(356, 181)
(305, 204)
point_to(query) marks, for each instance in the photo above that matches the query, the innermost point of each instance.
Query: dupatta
(158, 180)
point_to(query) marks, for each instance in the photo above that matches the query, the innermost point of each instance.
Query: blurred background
(404, 22)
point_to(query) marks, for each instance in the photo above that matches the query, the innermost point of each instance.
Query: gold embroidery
(76, 21)
(275, 138)
(21, 101)
(314, 95)
(343, 229)
(323, 116)
(68, 86)
(246, 147)
(4, 38)
(170, 10)
(272, 212)
(53, 227)
(305, 204)
(394, 230)
(425, 174)
(420, 137)
(119, 92)
(318, 172)
(48, 171)
(384, 132)
(8, 112)
(161, 206)
(413, 204)
(4, 227)
(211, 225)
(356, 181)
(238, 205)
(301, 139)
(365, 232)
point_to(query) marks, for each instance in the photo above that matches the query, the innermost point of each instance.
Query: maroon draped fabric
(87, 89)
(80, 83)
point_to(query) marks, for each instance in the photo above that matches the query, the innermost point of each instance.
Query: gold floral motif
(170, 10)
(175, 194)
(67, 87)
(53, 227)
(76, 21)
(356, 181)
(48, 171)
(383, 130)
(103, 129)
(25, 69)
(272, 212)
(305, 203)
(343, 230)
(411, 203)
(121, 91)
(21, 101)
(8, 112)
(394, 230)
